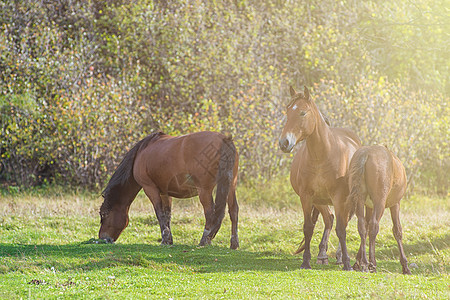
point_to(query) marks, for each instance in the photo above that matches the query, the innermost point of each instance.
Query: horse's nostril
(284, 143)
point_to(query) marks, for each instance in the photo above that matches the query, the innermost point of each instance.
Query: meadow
(48, 250)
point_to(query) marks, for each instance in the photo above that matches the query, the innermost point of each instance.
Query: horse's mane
(124, 172)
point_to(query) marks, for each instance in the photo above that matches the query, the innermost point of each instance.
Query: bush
(82, 81)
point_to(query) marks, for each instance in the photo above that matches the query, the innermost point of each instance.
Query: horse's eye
(302, 113)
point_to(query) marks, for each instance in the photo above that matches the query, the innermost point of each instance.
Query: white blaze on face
(294, 107)
(291, 138)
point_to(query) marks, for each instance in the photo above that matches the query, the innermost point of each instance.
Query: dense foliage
(82, 81)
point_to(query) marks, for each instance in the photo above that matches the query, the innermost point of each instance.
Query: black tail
(123, 176)
(224, 180)
(357, 188)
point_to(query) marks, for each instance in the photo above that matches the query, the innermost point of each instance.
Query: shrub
(81, 82)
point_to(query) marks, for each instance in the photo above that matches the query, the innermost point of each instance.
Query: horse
(319, 170)
(167, 166)
(378, 173)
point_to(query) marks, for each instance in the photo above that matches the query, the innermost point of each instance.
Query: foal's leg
(322, 258)
(374, 227)
(397, 229)
(361, 263)
(233, 210)
(308, 229)
(341, 225)
(207, 202)
(163, 207)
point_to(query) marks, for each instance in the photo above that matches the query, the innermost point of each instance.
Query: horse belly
(182, 186)
(322, 201)
(321, 196)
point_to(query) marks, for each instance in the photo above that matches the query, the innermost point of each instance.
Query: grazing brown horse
(319, 169)
(181, 167)
(378, 173)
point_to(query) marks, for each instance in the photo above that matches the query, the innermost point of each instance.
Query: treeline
(82, 81)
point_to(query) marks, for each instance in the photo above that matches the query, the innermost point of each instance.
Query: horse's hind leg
(397, 230)
(328, 217)
(166, 232)
(374, 227)
(233, 210)
(341, 225)
(206, 199)
(361, 263)
(163, 210)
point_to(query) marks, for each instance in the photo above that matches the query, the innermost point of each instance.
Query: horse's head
(113, 222)
(300, 122)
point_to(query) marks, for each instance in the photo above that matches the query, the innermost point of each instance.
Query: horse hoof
(372, 268)
(109, 240)
(205, 242)
(305, 266)
(356, 267)
(234, 243)
(322, 261)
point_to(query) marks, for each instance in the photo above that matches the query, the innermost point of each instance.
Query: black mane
(123, 173)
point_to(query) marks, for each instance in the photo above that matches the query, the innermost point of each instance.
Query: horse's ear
(292, 91)
(306, 93)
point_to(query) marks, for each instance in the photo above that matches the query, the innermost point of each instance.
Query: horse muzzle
(287, 143)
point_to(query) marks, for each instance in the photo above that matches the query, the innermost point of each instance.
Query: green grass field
(47, 251)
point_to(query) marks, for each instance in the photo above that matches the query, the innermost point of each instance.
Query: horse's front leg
(308, 229)
(322, 258)
(163, 210)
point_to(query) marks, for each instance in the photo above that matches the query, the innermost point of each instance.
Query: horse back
(348, 138)
(384, 174)
(178, 165)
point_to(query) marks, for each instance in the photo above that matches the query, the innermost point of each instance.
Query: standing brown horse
(319, 169)
(378, 173)
(181, 167)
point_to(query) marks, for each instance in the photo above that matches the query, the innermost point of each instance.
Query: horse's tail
(314, 216)
(224, 180)
(358, 191)
(123, 179)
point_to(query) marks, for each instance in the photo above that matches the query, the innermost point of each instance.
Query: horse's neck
(320, 142)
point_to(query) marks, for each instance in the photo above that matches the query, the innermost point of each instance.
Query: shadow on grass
(197, 259)
(417, 248)
(210, 259)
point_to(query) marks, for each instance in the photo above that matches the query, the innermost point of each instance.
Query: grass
(48, 250)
